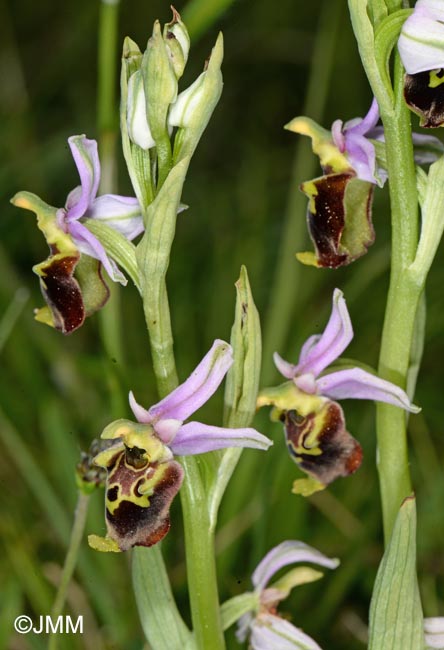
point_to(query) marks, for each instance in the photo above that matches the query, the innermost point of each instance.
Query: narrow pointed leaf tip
(396, 620)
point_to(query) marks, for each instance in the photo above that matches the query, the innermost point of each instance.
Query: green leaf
(365, 37)
(432, 225)
(160, 618)
(242, 384)
(233, 609)
(153, 256)
(117, 246)
(396, 620)
(386, 37)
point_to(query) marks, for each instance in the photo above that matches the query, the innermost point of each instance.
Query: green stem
(158, 322)
(70, 562)
(107, 114)
(201, 565)
(402, 303)
(199, 540)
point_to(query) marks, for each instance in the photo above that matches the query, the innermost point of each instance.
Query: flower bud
(194, 106)
(137, 120)
(177, 42)
(187, 103)
(160, 83)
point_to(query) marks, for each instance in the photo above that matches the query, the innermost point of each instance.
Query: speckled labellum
(320, 444)
(138, 498)
(339, 219)
(142, 480)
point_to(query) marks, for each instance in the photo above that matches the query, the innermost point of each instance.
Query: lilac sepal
(318, 353)
(90, 245)
(288, 553)
(86, 158)
(273, 632)
(361, 126)
(434, 632)
(421, 44)
(362, 156)
(355, 383)
(122, 213)
(166, 417)
(351, 138)
(198, 388)
(197, 438)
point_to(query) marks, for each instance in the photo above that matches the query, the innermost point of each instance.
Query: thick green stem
(199, 541)
(402, 303)
(158, 322)
(70, 562)
(201, 565)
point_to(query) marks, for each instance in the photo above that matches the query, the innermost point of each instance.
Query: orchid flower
(314, 423)
(143, 476)
(339, 209)
(352, 139)
(122, 213)
(264, 627)
(71, 278)
(421, 46)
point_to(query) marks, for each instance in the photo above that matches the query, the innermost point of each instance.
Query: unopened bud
(137, 120)
(194, 105)
(178, 43)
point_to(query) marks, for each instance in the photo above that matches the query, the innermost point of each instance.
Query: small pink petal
(167, 429)
(306, 383)
(337, 135)
(286, 369)
(141, 414)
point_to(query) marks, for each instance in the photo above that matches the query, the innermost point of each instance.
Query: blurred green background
(57, 393)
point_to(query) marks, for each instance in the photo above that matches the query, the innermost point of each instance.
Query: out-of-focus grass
(57, 393)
